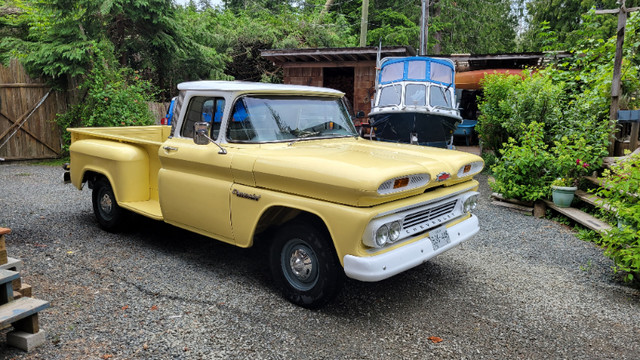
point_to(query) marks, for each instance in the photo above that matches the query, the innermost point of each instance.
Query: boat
(472, 80)
(414, 101)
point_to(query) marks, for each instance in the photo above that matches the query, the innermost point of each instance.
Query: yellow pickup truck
(284, 162)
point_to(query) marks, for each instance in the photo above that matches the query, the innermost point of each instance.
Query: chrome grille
(430, 217)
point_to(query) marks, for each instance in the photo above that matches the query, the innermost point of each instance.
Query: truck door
(194, 181)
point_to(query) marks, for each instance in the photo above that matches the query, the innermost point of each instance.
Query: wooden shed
(350, 70)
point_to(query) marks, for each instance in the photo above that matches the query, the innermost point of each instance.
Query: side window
(203, 109)
(240, 127)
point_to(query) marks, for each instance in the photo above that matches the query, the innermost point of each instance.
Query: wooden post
(617, 66)
(3, 245)
(633, 142)
(363, 23)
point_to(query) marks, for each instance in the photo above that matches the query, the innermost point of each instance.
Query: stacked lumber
(17, 307)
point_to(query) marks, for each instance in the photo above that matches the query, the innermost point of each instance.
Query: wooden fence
(27, 112)
(27, 115)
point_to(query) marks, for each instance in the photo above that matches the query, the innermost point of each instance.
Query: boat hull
(427, 129)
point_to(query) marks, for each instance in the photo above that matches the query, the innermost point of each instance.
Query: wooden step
(580, 217)
(22, 309)
(594, 200)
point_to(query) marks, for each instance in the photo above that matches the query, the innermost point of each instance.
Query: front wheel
(109, 215)
(304, 265)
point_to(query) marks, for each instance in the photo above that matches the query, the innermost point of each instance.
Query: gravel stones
(522, 288)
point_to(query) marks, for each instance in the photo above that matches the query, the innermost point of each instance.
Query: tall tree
(475, 26)
(561, 20)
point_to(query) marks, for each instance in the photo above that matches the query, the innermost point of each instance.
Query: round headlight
(394, 231)
(382, 235)
(470, 203)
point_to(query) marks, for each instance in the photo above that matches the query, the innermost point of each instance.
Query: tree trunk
(437, 35)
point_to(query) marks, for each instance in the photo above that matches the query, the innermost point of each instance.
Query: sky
(212, 2)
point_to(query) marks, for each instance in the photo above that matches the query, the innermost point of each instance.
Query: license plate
(439, 237)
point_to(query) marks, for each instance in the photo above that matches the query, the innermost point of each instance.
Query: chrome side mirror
(200, 131)
(201, 137)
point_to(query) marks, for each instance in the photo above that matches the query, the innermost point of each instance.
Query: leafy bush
(621, 189)
(114, 97)
(574, 157)
(525, 169)
(509, 101)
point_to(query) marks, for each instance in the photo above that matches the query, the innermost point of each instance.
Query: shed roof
(335, 54)
(464, 62)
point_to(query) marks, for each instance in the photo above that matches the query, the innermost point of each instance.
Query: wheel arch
(278, 215)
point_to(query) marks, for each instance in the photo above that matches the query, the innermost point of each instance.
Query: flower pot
(563, 195)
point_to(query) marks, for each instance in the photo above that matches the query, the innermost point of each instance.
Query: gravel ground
(522, 288)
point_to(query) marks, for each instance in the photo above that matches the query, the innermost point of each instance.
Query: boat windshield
(440, 97)
(274, 118)
(390, 95)
(415, 95)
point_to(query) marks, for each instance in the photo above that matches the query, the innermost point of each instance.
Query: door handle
(170, 148)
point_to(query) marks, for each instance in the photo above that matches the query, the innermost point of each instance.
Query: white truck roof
(255, 87)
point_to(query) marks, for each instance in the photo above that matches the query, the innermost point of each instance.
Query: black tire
(304, 265)
(109, 215)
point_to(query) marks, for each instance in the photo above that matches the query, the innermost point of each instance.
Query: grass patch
(52, 162)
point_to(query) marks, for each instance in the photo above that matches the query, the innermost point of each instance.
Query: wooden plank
(7, 276)
(23, 85)
(20, 309)
(3, 246)
(6, 287)
(594, 200)
(525, 209)
(513, 201)
(12, 264)
(580, 217)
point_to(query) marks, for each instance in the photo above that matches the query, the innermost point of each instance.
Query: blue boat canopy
(417, 69)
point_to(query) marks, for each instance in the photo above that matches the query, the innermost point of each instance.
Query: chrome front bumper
(380, 267)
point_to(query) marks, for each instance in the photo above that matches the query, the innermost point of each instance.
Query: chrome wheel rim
(299, 264)
(105, 205)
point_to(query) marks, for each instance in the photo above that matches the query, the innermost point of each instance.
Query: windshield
(271, 118)
(390, 95)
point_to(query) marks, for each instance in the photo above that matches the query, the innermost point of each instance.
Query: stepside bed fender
(125, 165)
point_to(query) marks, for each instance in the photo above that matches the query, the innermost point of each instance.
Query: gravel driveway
(522, 288)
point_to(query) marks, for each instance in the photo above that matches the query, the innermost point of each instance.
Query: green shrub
(525, 169)
(114, 97)
(621, 190)
(510, 101)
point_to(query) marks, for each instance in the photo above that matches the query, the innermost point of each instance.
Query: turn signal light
(399, 183)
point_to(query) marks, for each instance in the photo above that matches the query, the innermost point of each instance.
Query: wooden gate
(27, 112)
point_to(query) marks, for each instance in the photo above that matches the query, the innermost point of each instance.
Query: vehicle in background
(415, 102)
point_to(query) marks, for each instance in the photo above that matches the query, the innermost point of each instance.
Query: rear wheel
(304, 265)
(109, 215)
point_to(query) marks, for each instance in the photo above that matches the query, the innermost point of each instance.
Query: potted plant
(563, 190)
(569, 168)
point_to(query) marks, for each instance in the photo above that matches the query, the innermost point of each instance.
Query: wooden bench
(22, 314)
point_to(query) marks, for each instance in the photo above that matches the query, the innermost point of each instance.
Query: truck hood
(350, 171)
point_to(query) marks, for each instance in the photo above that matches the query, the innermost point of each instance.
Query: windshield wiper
(444, 95)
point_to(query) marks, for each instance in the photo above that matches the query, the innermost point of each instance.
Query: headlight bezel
(412, 182)
(474, 168)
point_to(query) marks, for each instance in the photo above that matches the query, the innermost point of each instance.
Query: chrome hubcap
(105, 203)
(301, 264)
